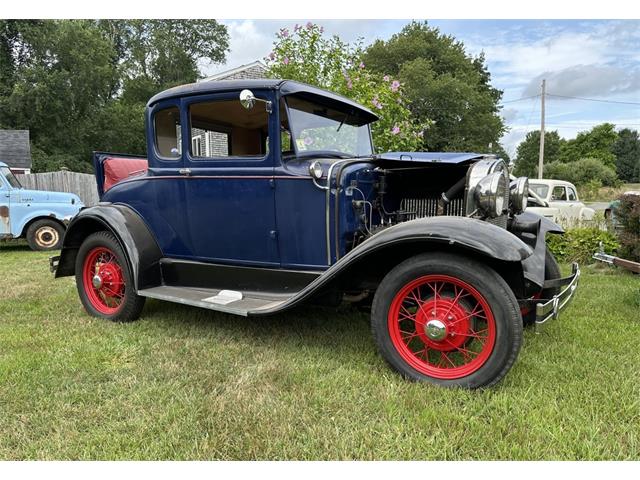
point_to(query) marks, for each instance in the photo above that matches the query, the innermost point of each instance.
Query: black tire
(43, 235)
(128, 305)
(551, 272)
(487, 283)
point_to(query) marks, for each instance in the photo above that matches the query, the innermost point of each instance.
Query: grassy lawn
(184, 383)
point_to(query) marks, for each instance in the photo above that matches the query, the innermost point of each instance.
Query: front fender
(62, 215)
(137, 241)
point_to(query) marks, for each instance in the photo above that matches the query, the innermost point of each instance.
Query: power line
(519, 99)
(593, 99)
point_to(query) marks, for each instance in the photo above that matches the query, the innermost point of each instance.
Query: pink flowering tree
(303, 53)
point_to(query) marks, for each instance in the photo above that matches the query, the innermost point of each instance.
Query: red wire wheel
(103, 280)
(442, 327)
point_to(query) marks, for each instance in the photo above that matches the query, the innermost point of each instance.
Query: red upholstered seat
(117, 169)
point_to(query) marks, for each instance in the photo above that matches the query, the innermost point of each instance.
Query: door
(560, 201)
(230, 190)
(5, 204)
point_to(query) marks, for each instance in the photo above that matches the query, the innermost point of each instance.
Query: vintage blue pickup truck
(260, 196)
(39, 216)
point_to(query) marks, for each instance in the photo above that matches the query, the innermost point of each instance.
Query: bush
(628, 216)
(579, 244)
(582, 172)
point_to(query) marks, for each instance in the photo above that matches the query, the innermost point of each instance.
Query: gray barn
(15, 150)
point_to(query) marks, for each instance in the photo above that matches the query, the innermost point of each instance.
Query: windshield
(8, 174)
(539, 189)
(320, 129)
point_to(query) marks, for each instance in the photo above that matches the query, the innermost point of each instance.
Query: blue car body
(20, 207)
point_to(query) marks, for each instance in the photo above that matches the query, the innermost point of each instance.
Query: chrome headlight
(519, 195)
(316, 170)
(490, 194)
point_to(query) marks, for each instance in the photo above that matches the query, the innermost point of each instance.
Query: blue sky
(598, 59)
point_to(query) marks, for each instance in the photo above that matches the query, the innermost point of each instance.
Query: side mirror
(247, 99)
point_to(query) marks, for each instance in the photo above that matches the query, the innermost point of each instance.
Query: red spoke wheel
(447, 319)
(104, 280)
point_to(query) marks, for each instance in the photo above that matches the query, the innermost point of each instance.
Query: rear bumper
(53, 263)
(551, 308)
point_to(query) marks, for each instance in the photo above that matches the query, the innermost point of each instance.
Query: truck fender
(44, 214)
(417, 236)
(137, 241)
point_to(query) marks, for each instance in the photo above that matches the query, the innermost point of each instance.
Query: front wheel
(104, 280)
(448, 320)
(45, 235)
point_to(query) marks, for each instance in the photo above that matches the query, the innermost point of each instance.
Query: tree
(307, 56)
(626, 148)
(528, 152)
(442, 84)
(595, 143)
(582, 171)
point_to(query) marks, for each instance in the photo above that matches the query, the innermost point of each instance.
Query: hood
(40, 196)
(432, 157)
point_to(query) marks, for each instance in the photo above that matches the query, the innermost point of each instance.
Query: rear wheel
(45, 235)
(104, 280)
(447, 320)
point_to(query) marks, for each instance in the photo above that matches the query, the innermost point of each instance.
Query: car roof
(2, 164)
(286, 87)
(545, 181)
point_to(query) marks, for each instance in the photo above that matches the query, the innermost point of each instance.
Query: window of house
(225, 128)
(559, 193)
(572, 194)
(167, 130)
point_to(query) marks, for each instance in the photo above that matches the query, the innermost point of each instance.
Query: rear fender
(137, 241)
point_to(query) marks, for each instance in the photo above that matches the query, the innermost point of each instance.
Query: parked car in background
(39, 216)
(560, 201)
(610, 211)
(264, 195)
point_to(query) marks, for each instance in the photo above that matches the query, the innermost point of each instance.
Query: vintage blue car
(39, 216)
(259, 196)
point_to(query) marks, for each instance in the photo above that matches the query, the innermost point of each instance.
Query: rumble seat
(117, 169)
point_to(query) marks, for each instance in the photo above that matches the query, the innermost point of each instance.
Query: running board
(227, 301)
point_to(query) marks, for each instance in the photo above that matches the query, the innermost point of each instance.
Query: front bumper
(552, 307)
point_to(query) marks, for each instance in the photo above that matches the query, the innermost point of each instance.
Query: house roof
(257, 65)
(286, 87)
(15, 150)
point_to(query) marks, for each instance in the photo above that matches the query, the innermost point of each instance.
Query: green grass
(184, 383)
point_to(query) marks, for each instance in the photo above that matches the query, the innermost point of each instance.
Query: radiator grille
(428, 207)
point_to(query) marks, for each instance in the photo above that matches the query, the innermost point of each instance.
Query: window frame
(575, 194)
(154, 137)
(559, 199)
(231, 160)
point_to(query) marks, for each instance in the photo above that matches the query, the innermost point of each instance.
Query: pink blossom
(395, 85)
(349, 84)
(361, 64)
(386, 78)
(376, 103)
(321, 29)
(284, 32)
(395, 130)
(309, 25)
(297, 27)
(272, 56)
(285, 60)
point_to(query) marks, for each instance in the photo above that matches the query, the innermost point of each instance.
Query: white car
(557, 200)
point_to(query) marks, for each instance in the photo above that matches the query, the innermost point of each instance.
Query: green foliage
(307, 56)
(579, 244)
(582, 172)
(628, 216)
(80, 85)
(596, 143)
(626, 148)
(528, 152)
(442, 84)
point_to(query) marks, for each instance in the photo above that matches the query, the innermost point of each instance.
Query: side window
(559, 193)
(572, 194)
(167, 129)
(224, 128)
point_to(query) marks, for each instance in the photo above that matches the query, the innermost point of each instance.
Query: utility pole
(541, 157)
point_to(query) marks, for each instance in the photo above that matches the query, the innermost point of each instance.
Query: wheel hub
(435, 330)
(97, 281)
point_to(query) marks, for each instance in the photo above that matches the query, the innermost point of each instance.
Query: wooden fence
(82, 184)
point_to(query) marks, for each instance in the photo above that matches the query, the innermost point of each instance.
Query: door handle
(185, 171)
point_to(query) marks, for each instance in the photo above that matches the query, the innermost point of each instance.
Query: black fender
(137, 241)
(462, 234)
(533, 229)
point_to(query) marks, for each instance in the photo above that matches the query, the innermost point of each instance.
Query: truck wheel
(45, 235)
(448, 320)
(551, 272)
(104, 280)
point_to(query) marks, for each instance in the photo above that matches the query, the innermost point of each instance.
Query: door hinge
(273, 234)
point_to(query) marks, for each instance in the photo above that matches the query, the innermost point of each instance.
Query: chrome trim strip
(551, 309)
